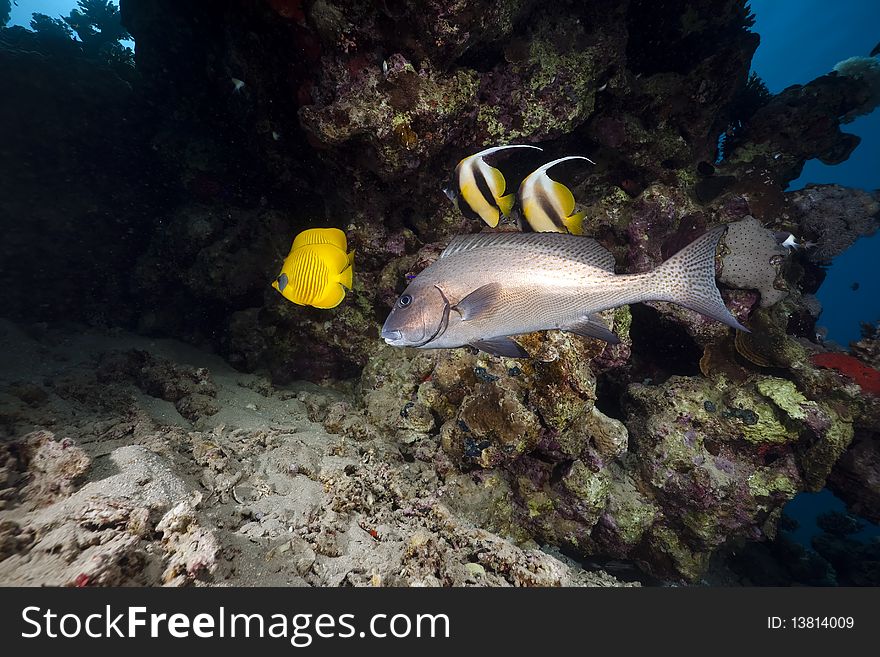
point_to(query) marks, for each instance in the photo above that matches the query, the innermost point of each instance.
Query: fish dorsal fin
(332, 236)
(479, 302)
(584, 249)
(568, 158)
(332, 257)
(498, 154)
(501, 346)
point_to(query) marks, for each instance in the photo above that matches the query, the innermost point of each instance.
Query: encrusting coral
(353, 114)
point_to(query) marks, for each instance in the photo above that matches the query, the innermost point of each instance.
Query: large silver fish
(487, 287)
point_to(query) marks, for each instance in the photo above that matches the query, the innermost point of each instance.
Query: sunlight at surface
(22, 12)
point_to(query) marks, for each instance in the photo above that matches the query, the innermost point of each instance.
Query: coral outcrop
(253, 121)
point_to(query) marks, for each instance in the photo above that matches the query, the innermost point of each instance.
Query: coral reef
(835, 557)
(866, 69)
(834, 217)
(754, 260)
(241, 124)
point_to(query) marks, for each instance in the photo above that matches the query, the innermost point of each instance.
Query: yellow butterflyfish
(317, 270)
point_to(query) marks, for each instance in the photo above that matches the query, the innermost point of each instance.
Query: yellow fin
(346, 277)
(495, 178)
(333, 257)
(506, 204)
(351, 258)
(332, 236)
(563, 196)
(575, 223)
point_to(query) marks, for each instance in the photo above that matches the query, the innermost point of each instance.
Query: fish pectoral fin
(575, 223)
(505, 204)
(591, 327)
(501, 346)
(479, 302)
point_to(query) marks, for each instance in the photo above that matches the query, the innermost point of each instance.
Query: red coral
(867, 377)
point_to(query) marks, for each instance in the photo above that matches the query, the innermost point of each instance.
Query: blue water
(799, 42)
(806, 506)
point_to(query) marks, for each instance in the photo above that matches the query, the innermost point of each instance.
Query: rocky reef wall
(265, 117)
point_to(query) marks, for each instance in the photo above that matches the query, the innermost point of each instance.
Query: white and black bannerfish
(547, 204)
(480, 189)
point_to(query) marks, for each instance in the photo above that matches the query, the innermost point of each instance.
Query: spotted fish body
(480, 190)
(317, 270)
(548, 205)
(487, 287)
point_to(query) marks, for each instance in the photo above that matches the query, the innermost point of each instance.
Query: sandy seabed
(131, 461)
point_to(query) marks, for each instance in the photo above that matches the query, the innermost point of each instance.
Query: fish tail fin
(505, 204)
(575, 223)
(688, 279)
(351, 258)
(346, 276)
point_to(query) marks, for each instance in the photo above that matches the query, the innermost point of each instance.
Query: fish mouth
(391, 337)
(395, 338)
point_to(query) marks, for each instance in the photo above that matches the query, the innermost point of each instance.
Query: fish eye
(405, 300)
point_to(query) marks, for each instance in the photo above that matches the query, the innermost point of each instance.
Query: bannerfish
(789, 241)
(487, 287)
(479, 189)
(548, 205)
(317, 270)
(786, 240)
